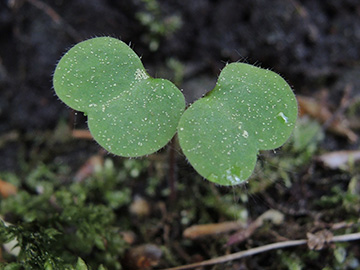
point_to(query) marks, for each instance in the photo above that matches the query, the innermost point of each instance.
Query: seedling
(131, 114)
(250, 109)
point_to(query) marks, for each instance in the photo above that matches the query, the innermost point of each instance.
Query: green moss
(55, 223)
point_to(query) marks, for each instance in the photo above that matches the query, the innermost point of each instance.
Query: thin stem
(257, 250)
(346, 237)
(172, 173)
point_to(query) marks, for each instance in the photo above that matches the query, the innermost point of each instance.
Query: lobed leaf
(250, 109)
(129, 113)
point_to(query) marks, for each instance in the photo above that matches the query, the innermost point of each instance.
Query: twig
(344, 104)
(346, 237)
(197, 231)
(57, 19)
(82, 134)
(257, 250)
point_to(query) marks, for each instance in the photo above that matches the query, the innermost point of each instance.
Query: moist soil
(314, 45)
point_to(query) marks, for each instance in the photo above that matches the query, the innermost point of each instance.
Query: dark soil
(311, 43)
(314, 44)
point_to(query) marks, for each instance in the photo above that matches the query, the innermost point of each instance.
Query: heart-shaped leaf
(250, 109)
(129, 113)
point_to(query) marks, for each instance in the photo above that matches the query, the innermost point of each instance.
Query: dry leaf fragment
(338, 159)
(7, 189)
(311, 107)
(320, 112)
(244, 234)
(318, 240)
(340, 127)
(198, 231)
(341, 225)
(129, 237)
(82, 134)
(140, 207)
(272, 215)
(92, 165)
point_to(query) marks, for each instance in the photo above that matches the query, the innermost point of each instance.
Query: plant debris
(339, 159)
(7, 189)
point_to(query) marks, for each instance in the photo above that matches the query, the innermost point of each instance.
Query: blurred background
(313, 44)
